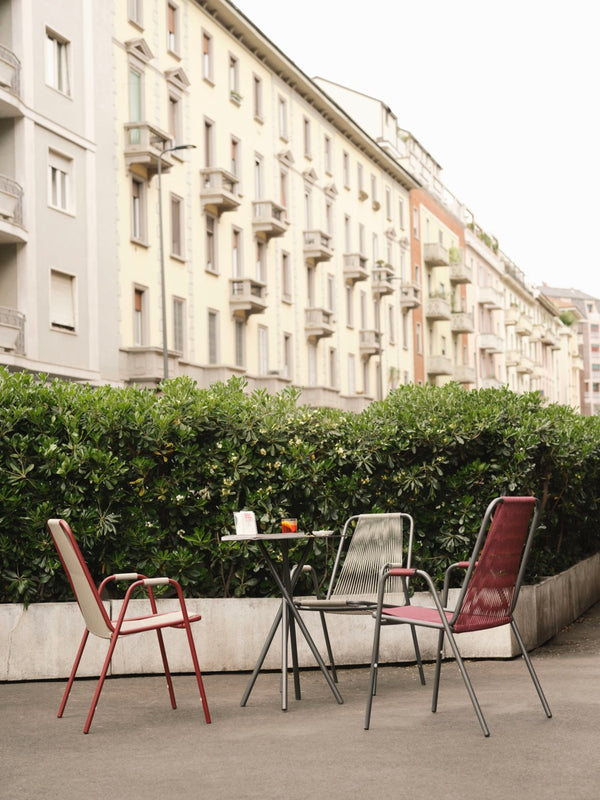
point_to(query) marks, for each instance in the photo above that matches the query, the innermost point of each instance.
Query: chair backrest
(377, 539)
(494, 577)
(86, 594)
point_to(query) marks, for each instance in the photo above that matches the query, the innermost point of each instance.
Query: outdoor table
(287, 615)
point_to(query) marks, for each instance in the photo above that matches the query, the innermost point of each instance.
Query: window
(283, 190)
(351, 373)
(136, 102)
(258, 177)
(236, 254)
(177, 249)
(361, 179)
(138, 210)
(307, 209)
(59, 181)
(139, 317)
(401, 213)
(239, 332)
(312, 364)
(330, 292)
(213, 332)
(363, 310)
(346, 170)
(332, 359)
(287, 355)
(209, 132)
(179, 324)
(235, 157)
(419, 339)
(207, 57)
(310, 286)
(374, 190)
(283, 127)
(388, 202)
(416, 223)
(135, 11)
(211, 244)
(327, 155)
(391, 326)
(261, 262)
(234, 79)
(286, 277)
(349, 307)
(306, 135)
(347, 234)
(263, 350)
(329, 217)
(62, 301)
(257, 97)
(175, 120)
(57, 63)
(172, 28)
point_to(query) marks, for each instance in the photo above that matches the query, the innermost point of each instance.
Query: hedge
(149, 481)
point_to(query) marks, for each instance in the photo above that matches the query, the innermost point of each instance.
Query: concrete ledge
(40, 642)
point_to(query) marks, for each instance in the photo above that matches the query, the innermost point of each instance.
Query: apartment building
(178, 198)
(58, 285)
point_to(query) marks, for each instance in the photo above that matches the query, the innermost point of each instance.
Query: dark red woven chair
(487, 599)
(99, 623)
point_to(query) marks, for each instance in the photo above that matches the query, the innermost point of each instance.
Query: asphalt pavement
(139, 748)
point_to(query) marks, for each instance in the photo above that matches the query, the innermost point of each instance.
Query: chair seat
(150, 622)
(422, 615)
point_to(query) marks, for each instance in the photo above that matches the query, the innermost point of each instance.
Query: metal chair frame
(99, 623)
(487, 598)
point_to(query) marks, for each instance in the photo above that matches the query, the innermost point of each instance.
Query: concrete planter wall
(40, 642)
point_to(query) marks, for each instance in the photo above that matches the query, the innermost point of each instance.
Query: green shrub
(150, 480)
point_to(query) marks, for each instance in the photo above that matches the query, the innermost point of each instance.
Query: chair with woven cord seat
(367, 543)
(98, 622)
(487, 598)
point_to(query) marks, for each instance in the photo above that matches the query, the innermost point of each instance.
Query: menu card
(245, 523)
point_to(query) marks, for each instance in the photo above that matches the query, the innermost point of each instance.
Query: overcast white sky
(503, 93)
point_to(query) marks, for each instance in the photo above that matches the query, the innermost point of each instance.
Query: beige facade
(298, 234)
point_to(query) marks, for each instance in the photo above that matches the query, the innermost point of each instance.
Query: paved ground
(139, 748)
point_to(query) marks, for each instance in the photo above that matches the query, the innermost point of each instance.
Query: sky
(503, 94)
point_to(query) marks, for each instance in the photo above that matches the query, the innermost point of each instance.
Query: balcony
(218, 190)
(491, 343)
(525, 365)
(551, 339)
(437, 308)
(355, 268)
(410, 295)
(318, 323)
(464, 374)
(490, 297)
(512, 315)
(144, 144)
(317, 246)
(439, 365)
(12, 330)
(11, 212)
(524, 326)
(382, 279)
(436, 255)
(247, 297)
(460, 273)
(462, 322)
(370, 343)
(513, 358)
(10, 84)
(268, 220)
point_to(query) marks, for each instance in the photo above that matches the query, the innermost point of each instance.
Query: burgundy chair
(99, 623)
(487, 598)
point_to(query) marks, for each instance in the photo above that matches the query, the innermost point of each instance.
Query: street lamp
(163, 289)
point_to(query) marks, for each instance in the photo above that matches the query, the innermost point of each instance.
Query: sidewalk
(138, 747)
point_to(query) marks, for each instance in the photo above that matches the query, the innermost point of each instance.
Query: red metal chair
(487, 598)
(99, 623)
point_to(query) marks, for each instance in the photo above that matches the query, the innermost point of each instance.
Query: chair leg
(168, 678)
(532, 672)
(438, 672)
(100, 684)
(373, 671)
(73, 673)
(196, 664)
(467, 681)
(328, 647)
(417, 654)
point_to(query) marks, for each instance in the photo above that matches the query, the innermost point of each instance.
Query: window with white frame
(240, 339)
(287, 355)
(207, 57)
(346, 169)
(261, 261)
(401, 213)
(62, 301)
(235, 157)
(330, 292)
(257, 97)
(139, 316)
(310, 286)
(209, 144)
(283, 190)
(347, 234)
(332, 363)
(349, 306)
(237, 269)
(360, 177)
(286, 277)
(60, 169)
(135, 11)
(282, 117)
(175, 119)
(234, 78)
(258, 177)
(57, 62)
(210, 244)
(419, 338)
(327, 155)
(177, 246)
(213, 337)
(138, 210)
(172, 27)
(306, 137)
(263, 350)
(388, 203)
(136, 101)
(179, 324)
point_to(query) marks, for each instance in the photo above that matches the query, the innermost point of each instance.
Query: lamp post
(163, 290)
